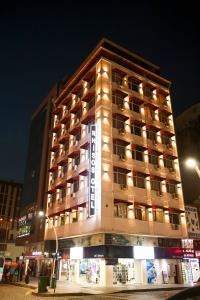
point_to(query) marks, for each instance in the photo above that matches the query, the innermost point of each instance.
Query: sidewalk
(65, 288)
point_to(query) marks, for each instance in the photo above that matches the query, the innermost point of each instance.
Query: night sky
(41, 43)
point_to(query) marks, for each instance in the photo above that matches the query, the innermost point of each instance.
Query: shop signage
(188, 253)
(76, 253)
(197, 254)
(36, 253)
(143, 252)
(162, 252)
(187, 244)
(92, 170)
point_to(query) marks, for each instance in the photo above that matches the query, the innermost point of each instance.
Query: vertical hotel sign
(92, 170)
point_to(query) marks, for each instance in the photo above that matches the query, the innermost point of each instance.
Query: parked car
(192, 293)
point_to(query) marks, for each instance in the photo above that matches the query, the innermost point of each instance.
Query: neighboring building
(31, 227)
(188, 141)
(114, 191)
(10, 196)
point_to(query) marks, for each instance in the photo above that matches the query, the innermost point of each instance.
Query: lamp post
(53, 277)
(192, 164)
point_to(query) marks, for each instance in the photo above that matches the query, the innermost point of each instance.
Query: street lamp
(41, 214)
(193, 164)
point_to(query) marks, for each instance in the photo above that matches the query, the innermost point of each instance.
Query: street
(9, 292)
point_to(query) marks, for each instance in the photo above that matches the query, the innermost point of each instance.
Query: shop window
(137, 130)
(158, 215)
(133, 85)
(140, 213)
(153, 159)
(117, 78)
(139, 181)
(116, 99)
(138, 154)
(120, 210)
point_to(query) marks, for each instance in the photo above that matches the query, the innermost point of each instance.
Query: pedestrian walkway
(69, 288)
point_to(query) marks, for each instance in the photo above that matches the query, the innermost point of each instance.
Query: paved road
(9, 292)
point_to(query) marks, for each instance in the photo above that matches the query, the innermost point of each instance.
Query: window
(74, 215)
(151, 135)
(120, 210)
(168, 163)
(158, 215)
(147, 91)
(75, 186)
(116, 77)
(154, 159)
(137, 130)
(91, 103)
(62, 194)
(133, 85)
(76, 160)
(119, 148)
(139, 181)
(171, 188)
(155, 185)
(118, 122)
(66, 146)
(174, 218)
(62, 220)
(140, 213)
(134, 107)
(166, 140)
(138, 154)
(163, 118)
(120, 176)
(116, 99)
(78, 114)
(91, 82)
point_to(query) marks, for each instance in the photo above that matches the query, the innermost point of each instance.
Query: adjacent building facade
(114, 189)
(188, 131)
(10, 197)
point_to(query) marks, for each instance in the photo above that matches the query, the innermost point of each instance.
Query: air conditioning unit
(122, 157)
(122, 131)
(123, 186)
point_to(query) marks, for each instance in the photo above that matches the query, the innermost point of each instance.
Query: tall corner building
(114, 192)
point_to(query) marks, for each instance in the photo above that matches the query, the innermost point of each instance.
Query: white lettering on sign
(92, 170)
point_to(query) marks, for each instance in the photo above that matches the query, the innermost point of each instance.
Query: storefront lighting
(143, 252)
(76, 253)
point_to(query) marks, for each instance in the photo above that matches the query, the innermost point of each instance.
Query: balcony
(53, 165)
(51, 187)
(55, 145)
(60, 182)
(76, 105)
(62, 159)
(65, 116)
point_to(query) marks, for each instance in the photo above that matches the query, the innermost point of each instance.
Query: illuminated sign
(76, 253)
(92, 170)
(142, 252)
(35, 253)
(197, 254)
(188, 253)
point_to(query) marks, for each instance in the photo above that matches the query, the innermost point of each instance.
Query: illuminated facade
(114, 180)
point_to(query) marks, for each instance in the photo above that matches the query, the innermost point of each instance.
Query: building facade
(10, 197)
(31, 227)
(188, 131)
(114, 189)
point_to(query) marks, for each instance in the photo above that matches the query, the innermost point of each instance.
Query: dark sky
(40, 43)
